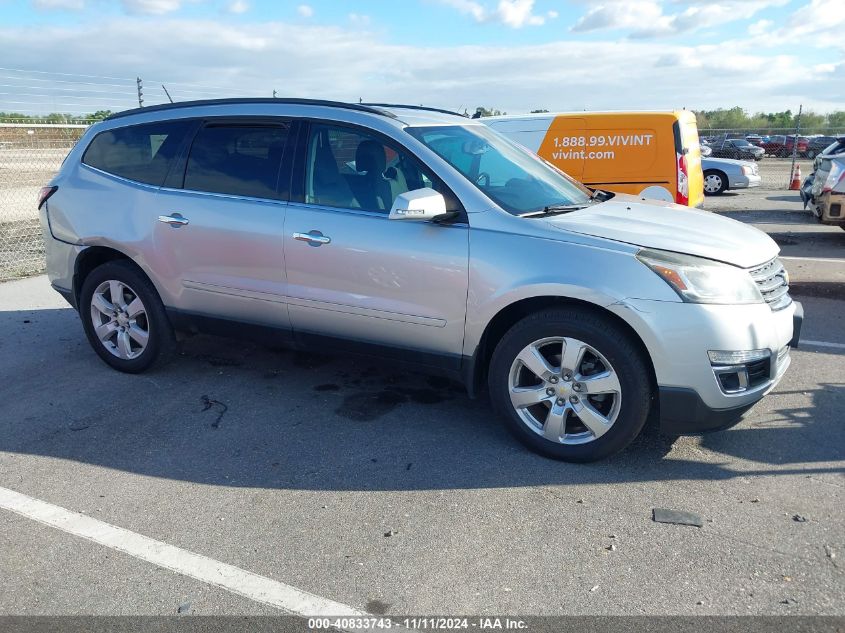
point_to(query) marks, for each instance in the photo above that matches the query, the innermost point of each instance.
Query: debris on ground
(78, 425)
(676, 517)
(594, 588)
(828, 551)
(391, 533)
(207, 403)
(799, 519)
(184, 607)
(611, 547)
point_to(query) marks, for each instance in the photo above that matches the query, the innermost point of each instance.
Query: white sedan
(721, 174)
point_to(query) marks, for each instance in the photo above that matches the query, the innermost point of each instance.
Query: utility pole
(795, 141)
(274, 94)
(140, 92)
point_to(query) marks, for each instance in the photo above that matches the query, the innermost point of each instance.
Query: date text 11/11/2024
(418, 623)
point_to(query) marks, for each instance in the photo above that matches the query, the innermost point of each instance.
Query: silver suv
(421, 235)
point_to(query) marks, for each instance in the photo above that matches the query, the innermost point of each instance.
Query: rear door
(219, 231)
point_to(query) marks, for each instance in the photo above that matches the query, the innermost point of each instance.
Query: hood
(670, 227)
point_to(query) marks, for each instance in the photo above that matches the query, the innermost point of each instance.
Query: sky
(512, 55)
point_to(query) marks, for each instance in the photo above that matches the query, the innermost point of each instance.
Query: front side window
(517, 180)
(143, 153)
(242, 160)
(349, 169)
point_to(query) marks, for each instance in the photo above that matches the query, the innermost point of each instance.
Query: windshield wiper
(554, 209)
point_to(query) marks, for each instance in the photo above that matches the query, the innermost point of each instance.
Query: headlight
(746, 170)
(699, 280)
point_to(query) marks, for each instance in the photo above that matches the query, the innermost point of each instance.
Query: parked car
(836, 147)
(823, 192)
(817, 144)
(706, 150)
(737, 148)
(722, 174)
(754, 139)
(579, 309)
(780, 145)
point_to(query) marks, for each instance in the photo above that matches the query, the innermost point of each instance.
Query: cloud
(51, 5)
(304, 10)
(647, 19)
(151, 7)
(359, 20)
(512, 13)
(340, 63)
(819, 21)
(760, 27)
(238, 6)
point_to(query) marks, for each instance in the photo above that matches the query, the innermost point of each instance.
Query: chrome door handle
(174, 219)
(314, 238)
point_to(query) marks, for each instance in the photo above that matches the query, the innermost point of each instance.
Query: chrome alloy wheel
(120, 319)
(565, 390)
(712, 183)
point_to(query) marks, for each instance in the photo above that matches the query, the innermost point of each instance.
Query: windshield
(517, 180)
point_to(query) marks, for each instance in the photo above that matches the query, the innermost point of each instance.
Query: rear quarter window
(143, 153)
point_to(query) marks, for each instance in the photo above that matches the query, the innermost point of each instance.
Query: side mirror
(422, 205)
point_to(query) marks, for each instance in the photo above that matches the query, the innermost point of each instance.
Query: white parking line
(822, 344)
(202, 568)
(825, 260)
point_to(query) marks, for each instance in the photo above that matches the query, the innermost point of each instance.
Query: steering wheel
(485, 177)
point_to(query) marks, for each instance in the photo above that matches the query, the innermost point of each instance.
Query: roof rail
(412, 107)
(251, 100)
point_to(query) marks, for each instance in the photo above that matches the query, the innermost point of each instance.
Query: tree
(481, 111)
(538, 111)
(836, 119)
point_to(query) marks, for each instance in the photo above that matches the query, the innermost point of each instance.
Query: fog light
(737, 358)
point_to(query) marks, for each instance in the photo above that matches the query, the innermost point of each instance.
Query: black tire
(723, 186)
(606, 337)
(161, 342)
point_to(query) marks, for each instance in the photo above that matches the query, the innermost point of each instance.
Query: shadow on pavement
(233, 414)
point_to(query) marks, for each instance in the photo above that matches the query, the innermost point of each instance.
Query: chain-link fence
(772, 149)
(29, 157)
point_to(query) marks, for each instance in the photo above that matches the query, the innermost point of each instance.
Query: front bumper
(678, 337)
(745, 182)
(683, 412)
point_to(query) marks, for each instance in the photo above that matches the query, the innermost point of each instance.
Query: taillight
(682, 196)
(45, 193)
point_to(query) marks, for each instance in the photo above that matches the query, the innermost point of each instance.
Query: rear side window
(241, 160)
(143, 153)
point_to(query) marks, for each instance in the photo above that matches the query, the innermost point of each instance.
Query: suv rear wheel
(570, 384)
(124, 318)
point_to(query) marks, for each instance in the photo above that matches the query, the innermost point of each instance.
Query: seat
(328, 186)
(371, 189)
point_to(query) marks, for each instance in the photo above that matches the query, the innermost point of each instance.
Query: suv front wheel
(570, 384)
(124, 318)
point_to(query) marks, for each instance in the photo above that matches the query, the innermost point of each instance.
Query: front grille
(758, 372)
(772, 280)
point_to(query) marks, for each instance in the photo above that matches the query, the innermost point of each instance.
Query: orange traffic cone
(795, 185)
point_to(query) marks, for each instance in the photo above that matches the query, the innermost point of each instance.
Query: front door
(356, 276)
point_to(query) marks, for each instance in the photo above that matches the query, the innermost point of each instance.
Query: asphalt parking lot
(389, 491)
